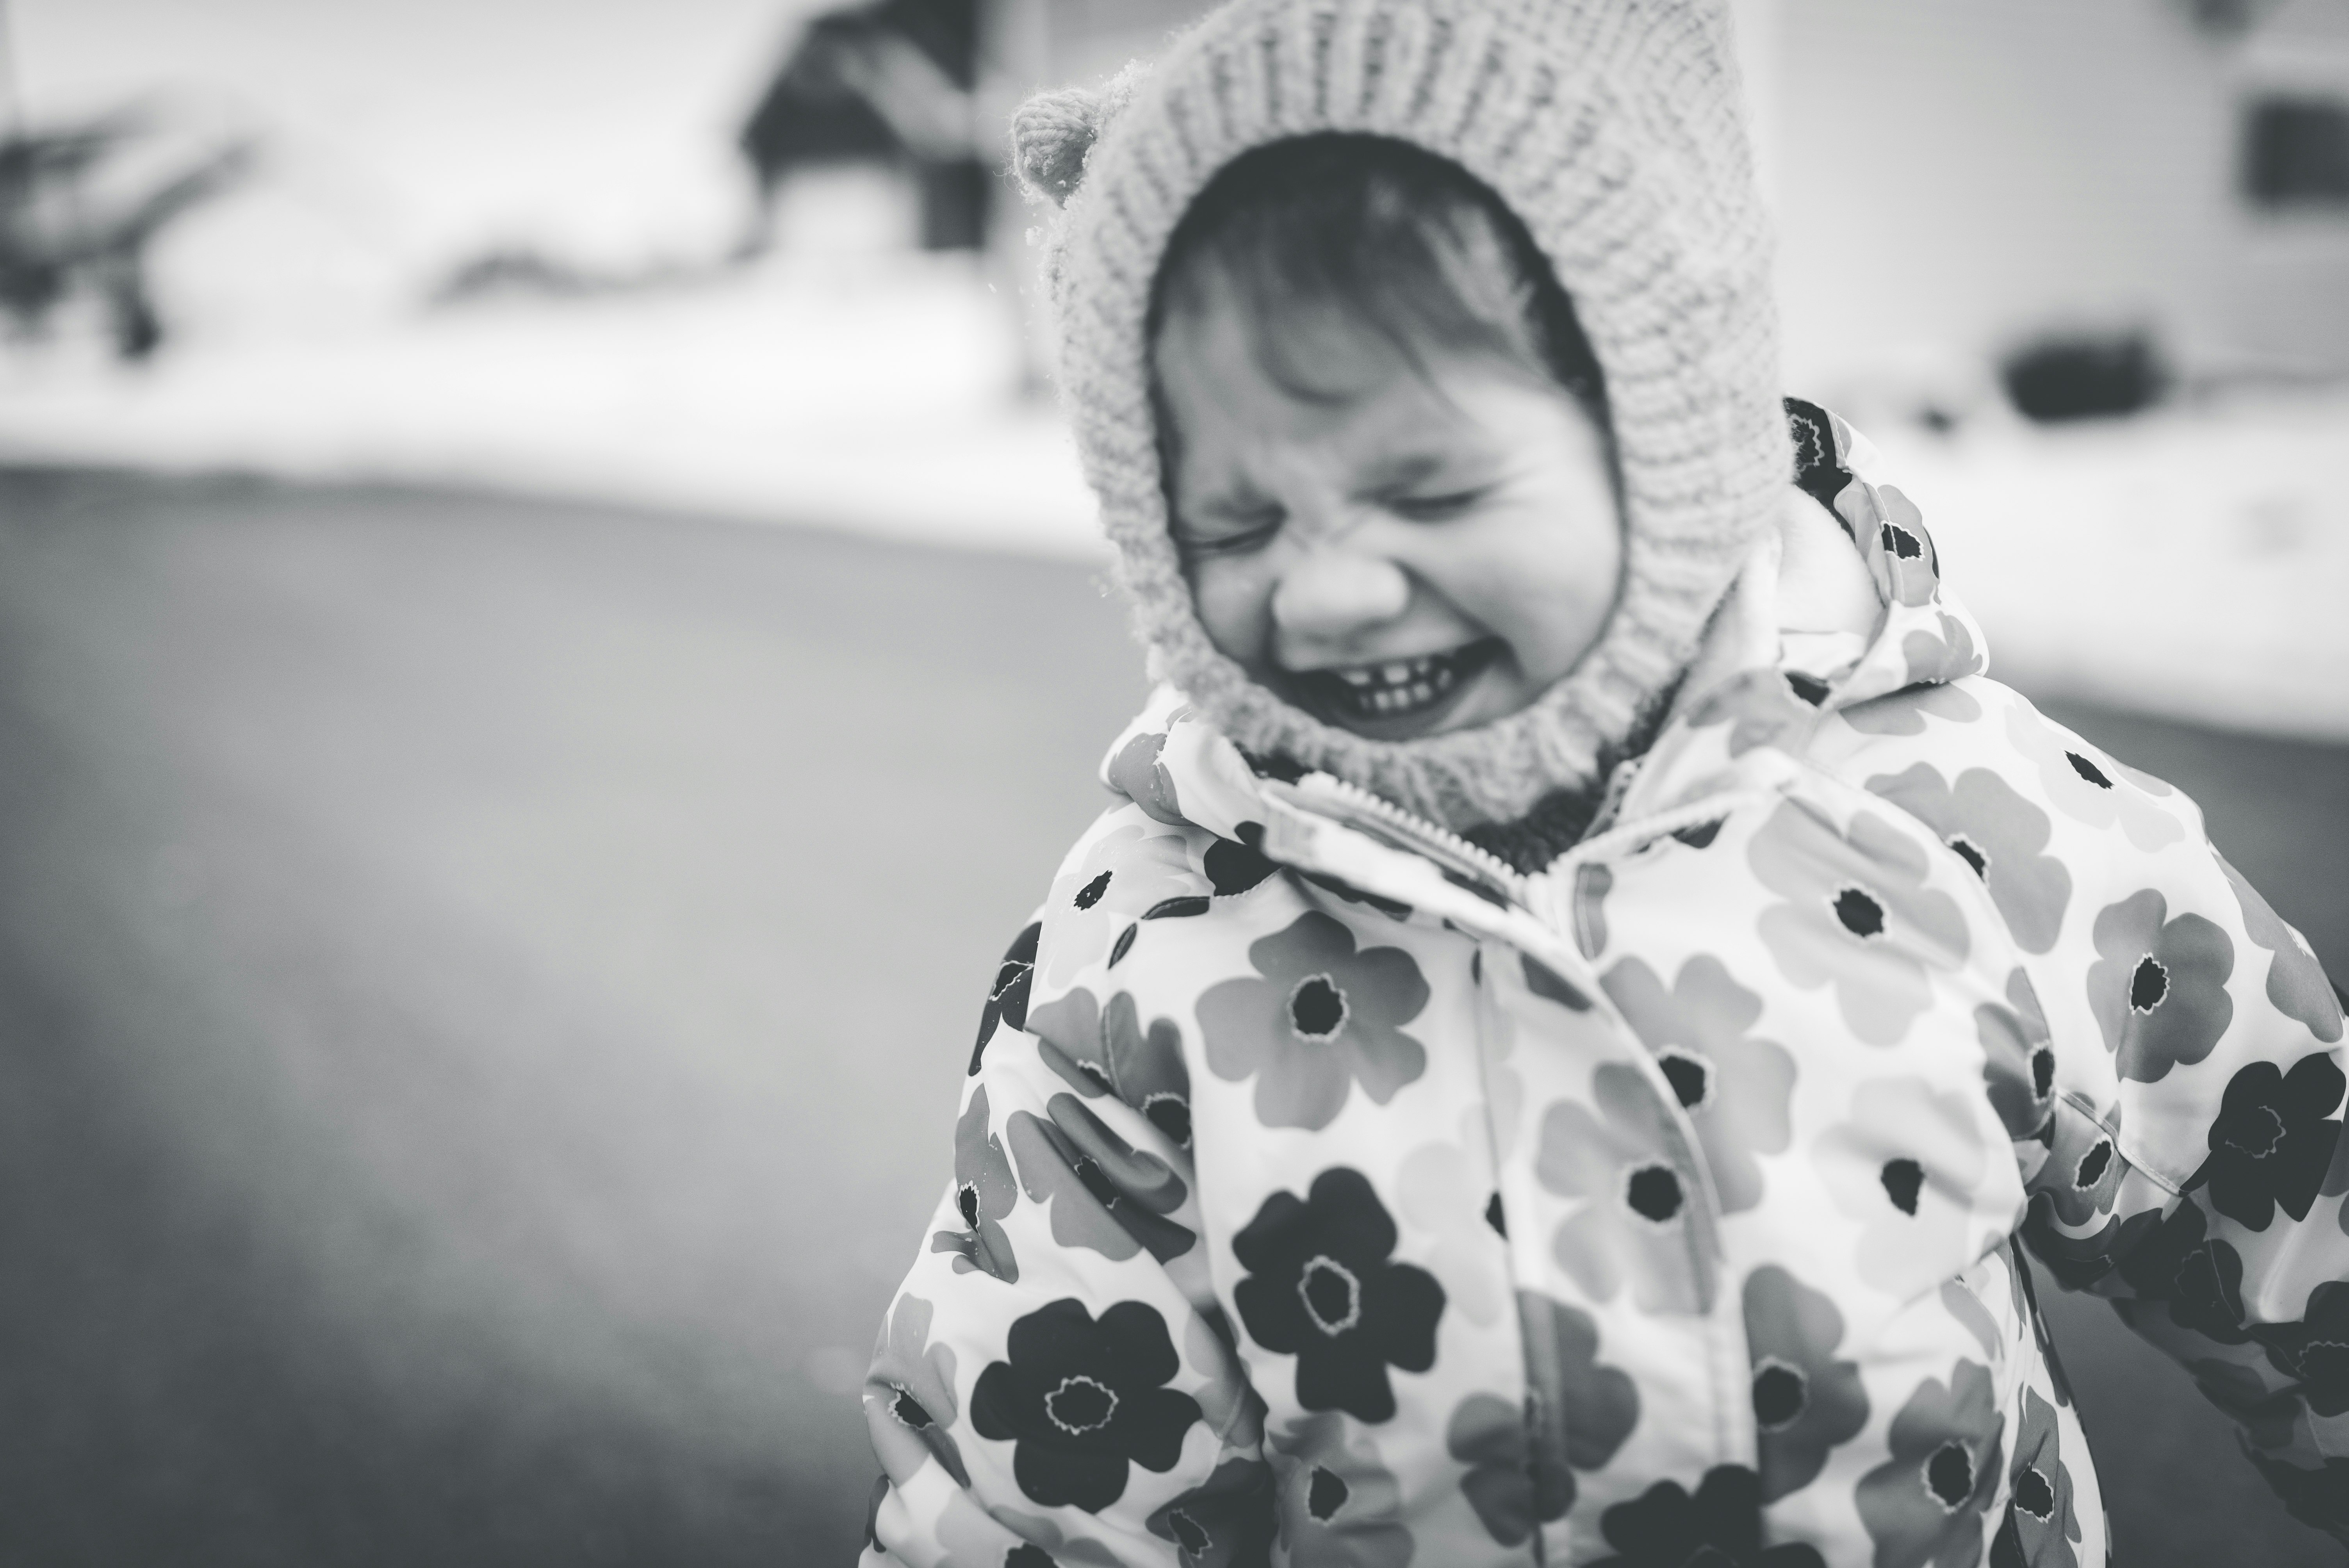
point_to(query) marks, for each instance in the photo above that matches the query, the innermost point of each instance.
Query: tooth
(1396, 674)
(1355, 677)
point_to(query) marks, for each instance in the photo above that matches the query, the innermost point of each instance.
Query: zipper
(1343, 799)
(1349, 802)
(1352, 805)
(1648, 828)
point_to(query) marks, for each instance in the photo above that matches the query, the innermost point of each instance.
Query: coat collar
(1755, 696)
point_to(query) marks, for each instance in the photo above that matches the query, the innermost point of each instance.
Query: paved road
(481, 990)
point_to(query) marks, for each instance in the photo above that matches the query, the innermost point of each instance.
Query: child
(1584, 982)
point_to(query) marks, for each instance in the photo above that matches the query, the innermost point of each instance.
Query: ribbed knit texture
(1615, 130)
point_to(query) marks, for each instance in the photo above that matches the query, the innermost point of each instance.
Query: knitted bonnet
(1615, 130)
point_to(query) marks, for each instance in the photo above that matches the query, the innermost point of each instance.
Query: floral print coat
(1327, 1193)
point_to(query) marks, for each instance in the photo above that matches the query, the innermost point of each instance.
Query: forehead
(1320, 378)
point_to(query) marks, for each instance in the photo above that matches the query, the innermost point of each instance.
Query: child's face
(1413, 552)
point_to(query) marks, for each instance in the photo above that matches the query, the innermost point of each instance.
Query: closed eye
(1229, 532)
(1437, 507)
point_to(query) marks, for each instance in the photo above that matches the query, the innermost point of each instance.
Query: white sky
(601, 127)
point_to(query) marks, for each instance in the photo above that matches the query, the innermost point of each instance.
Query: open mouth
(1395, 690)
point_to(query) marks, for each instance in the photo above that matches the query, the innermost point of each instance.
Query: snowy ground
(2188, 564)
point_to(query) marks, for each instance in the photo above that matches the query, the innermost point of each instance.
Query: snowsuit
(1327, 1192)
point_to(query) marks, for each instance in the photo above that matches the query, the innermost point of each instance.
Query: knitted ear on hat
(1053, 132)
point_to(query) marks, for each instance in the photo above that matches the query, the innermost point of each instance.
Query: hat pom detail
(1051, 134)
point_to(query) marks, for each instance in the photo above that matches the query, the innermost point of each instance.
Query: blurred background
(550, 633)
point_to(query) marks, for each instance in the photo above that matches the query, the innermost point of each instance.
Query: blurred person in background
(1587, 983)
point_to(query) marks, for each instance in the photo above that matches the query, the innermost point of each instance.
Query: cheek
(1233, 601)
(1549, 584)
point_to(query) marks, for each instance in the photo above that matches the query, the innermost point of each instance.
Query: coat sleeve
(1053, 1382)
(2201, 1188)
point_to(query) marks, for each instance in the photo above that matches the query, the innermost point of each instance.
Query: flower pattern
(2160, 989)
(1445, 1192)
(1761, 708)
(1337, 1503)
(1107, 1051)
(2085, 1169)
(1084, 1400)
(909, 1398)
(2088, 786)
(1322, 1286)
(2272, 1142)
(1512, 1482)
(1006, 997)
(2041, 1527)
(1583, 1410)
(1805, 1402)
(1945, 652)
(1906, 1166)
(1857, 916)
(1071, 1040)
(1998, 834)
(1720, 1526)
(1592, 883)
(2297, 986)
(2075, 1262)
(1321, 1019)
(1104, 1194)
(2018, 1058)
(1138, 773)
(984, 1194)
(1734, 1087)
(1904, 549)
(1634, 1225)
(1904, 712)
(2315, 1350)
(1146, 1068)
(2172, 1258)
(1094, 912)
(1925, 1504)
(1226, 1521)
(1233, 868)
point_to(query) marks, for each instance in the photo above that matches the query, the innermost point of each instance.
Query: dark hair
(1399, 240)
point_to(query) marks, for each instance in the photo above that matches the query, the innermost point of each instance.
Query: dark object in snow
(888, 82)
(59, 236)
(2059, 378)
(2229, 19)
(2296, 153)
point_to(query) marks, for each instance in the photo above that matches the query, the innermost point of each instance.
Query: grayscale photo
(1174, 783)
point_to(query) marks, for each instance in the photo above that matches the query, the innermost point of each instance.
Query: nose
(1333, 595)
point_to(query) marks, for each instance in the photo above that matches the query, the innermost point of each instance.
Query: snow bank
(2190, 563)
(878, 393)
